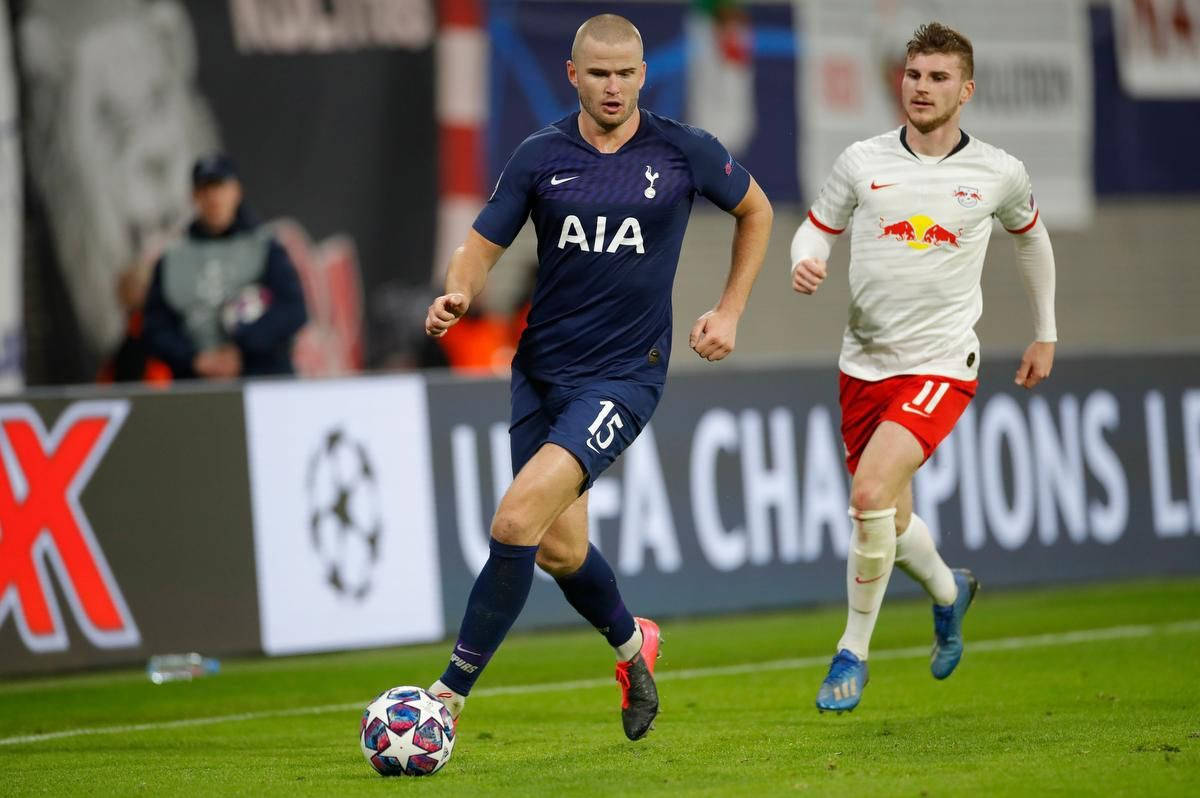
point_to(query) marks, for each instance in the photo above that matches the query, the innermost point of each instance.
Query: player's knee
(513, 529)
(870, 494)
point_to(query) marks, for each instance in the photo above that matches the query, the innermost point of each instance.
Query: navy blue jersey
(609, 229)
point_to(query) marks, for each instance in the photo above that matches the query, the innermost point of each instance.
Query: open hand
(1035, 363)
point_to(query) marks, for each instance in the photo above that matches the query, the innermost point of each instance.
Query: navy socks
(495, 602)
(592, 591)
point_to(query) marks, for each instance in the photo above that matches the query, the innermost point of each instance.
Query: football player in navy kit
(609, 189)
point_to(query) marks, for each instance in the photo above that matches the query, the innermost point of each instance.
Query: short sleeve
(1017, 210)
(507, 209)
(835, 202)
(718, 176)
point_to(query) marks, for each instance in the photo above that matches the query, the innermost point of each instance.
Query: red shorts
(926, 405)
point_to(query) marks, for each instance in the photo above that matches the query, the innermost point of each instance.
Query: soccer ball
(406, 732)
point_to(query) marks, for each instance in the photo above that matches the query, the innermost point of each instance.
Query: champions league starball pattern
(406, 732)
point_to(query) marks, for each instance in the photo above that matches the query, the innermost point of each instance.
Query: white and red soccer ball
(406, 732)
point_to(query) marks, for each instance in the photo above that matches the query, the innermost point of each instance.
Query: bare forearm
(750, 237)
(466, 274)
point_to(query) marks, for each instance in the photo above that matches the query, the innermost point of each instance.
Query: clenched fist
(444, 313)
(807, 275)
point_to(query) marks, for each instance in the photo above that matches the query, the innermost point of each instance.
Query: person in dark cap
(225, 300)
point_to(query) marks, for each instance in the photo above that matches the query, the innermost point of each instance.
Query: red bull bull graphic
(938, 235)
(902, 230)
(919, 232)
(45, 531)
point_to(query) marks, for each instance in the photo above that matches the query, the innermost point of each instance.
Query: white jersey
(919, 232)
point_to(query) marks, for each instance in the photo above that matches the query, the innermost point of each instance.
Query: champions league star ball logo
(344, 519)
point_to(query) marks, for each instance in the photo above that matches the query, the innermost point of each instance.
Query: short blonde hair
(605, 28)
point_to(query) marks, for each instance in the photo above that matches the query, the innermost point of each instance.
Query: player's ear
(572, 74)
(642, 79)
(968, 91)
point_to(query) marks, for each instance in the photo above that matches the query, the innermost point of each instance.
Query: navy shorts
(594, 422)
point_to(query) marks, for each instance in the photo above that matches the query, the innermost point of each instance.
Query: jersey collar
(963, 141)
(570, 126)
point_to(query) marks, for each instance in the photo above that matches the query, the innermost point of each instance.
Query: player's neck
(608, 141)
(937, 142)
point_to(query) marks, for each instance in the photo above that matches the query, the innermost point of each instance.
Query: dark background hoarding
(736, 496)
(168, 503)
(343, 140)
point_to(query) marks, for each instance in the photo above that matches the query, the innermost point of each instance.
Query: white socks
(917, 557)
(630, 648)
(453, 701)
(868, 569)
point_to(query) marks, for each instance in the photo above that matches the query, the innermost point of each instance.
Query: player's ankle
(630, 648)
(454, 701)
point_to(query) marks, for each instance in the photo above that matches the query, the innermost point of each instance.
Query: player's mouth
(919, 104)
(612, 106)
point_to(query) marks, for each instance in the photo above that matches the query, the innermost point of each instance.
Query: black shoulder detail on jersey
(963, 141)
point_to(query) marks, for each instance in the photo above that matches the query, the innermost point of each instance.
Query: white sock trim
(453, 701)
(630, 648)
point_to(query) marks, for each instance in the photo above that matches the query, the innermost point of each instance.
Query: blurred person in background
(225, 300)
(921, 200)
(610, 189)
(133, 362)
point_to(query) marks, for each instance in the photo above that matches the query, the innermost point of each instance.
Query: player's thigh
(564, 547)
(544, 487)
(892, 456)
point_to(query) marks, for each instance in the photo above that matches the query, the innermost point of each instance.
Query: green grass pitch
(1071, 691)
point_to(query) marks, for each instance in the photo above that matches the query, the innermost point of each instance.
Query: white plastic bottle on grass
(180, 667)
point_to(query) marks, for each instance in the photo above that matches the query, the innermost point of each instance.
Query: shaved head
(606, 29)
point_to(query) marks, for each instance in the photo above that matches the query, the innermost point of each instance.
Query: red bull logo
(968, 196)
(919, 232)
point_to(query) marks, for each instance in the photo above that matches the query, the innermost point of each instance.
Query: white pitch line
(911, 652)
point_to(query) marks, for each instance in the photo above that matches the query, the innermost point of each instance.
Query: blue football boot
(844, 683)
(947, 626)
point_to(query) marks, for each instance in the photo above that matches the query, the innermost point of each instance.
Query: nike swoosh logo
(862, 581)
(554, 181)
(876, 186)
(466, 650)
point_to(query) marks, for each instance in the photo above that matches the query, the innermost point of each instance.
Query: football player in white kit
(919, 201)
